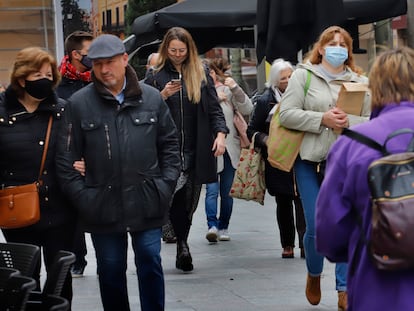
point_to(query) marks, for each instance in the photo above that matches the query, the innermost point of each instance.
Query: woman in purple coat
(345, 187)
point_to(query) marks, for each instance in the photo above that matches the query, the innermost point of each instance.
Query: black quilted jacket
(22, 137)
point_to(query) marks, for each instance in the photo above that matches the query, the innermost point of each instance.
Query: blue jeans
(226, 201)
(111, 256)
(308, 186)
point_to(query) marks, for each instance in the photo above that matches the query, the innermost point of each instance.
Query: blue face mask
(336, 55)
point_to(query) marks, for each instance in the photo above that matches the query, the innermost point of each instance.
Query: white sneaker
(224, 235)
(211, 235)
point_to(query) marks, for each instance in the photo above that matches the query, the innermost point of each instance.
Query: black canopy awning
(283, 26)
(211, 23)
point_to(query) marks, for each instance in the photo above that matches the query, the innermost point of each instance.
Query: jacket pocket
(99, 206)
(97, 137)
(154, 197)
(146, 123)
(165, 192)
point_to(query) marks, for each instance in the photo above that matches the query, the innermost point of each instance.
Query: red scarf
(69, 71)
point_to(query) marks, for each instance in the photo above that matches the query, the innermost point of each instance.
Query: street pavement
(244, 274)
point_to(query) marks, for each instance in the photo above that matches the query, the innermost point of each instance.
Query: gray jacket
(304, 113)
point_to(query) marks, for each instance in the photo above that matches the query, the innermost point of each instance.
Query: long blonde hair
(327, 35)
(391, 78)
(192, 69)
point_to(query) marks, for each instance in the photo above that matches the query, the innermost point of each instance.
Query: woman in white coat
(232, 98)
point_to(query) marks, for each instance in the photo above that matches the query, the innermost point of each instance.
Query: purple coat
(337, 232)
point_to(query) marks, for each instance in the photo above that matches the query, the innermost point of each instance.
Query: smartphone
(176, 81)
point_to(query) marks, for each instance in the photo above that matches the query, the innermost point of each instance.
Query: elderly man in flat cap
(125, 133)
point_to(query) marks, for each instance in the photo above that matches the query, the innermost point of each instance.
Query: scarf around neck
(69, 71)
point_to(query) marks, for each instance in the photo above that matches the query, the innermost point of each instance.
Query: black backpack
(391, 183)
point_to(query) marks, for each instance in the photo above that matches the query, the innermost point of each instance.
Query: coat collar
(132, 89)
(378, 111)
(12, 110)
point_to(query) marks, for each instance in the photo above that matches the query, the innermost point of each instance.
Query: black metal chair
(20, 256)
(14, 289)
(54, 281)
(17, 292)
(5, 275)
(58, 272)
(48, 303)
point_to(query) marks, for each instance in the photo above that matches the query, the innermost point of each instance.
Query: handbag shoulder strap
(42, 163)
(308, 81)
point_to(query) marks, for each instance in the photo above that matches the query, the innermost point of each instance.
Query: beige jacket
(304, 113)
(238, 99)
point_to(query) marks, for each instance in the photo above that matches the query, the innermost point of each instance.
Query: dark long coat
(197, 123)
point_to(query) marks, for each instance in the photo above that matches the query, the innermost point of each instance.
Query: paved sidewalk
(244, 274)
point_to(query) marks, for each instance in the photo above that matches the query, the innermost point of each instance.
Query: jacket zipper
(182, 126)
(108, 142)
(69, 138)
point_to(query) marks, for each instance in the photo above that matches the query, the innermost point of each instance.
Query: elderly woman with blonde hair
(280, 184)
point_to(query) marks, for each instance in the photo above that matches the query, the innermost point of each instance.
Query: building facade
(25, 23)
(108, 16)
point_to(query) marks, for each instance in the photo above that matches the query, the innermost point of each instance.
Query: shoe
(313, 289)
(77, 270)
(184, 261)
(302, 253)
(224, 235)
(211, 235)
(288, 252)
(169, 240)
(342, 301)
(168, 234)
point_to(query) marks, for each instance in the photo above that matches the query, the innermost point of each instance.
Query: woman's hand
(335, 119)
(229, 82)
(219, 146)
(222, 96)
(170, 89)
(80, 166)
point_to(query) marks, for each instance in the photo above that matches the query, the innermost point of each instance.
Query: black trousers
(183, 206)
(50, 241)
(79, 246)
(286, 219)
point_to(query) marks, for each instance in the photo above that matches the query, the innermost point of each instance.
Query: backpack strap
(364, 140)
(377, 146)
(362, 240)
(410, 147)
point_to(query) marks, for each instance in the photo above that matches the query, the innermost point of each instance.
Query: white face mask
(336, 55)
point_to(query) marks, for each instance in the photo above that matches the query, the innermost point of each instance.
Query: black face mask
(39, 89)
(86, 61)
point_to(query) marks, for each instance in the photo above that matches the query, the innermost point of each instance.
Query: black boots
(184, 261)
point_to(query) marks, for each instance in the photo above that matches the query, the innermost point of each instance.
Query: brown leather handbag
(19, 205)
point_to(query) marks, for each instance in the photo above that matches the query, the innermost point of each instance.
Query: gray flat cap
(106, 46)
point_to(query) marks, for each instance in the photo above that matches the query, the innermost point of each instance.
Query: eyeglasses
(174, 51)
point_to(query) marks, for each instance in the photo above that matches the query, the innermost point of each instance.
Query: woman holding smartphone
(201, 125)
